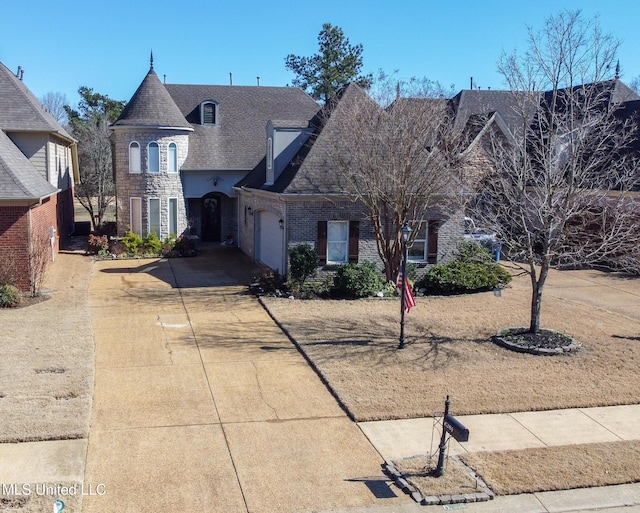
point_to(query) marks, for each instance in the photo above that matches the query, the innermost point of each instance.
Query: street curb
(486, 494)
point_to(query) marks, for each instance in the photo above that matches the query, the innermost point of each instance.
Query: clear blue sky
(105, 45)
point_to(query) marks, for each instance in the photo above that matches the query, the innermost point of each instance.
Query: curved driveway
(202, 404)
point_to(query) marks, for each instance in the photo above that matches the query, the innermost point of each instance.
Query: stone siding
(163, 185)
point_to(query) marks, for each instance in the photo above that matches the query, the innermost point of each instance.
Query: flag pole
(403, 295)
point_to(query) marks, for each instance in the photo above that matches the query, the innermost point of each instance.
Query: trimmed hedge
(354, 281)
(460, 277)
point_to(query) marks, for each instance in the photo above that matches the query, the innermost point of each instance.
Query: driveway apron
(202, 404)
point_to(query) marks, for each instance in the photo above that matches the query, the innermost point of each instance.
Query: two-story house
(38, 169)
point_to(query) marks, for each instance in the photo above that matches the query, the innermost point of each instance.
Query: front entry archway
(211, 216)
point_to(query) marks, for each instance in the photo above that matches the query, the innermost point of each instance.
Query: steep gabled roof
(238, 139)
(21, 111)
(313, 169)
(19, 178)
(152, 106)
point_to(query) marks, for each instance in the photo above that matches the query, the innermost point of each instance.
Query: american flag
(409, 299)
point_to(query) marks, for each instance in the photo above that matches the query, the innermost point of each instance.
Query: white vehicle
(487, 240)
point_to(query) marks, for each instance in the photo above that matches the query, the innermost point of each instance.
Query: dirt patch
(557, 468)
(353, 345)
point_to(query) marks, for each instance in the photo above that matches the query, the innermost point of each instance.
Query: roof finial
(151, 60)
(618, 70)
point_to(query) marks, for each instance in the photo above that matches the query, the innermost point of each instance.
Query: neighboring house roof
(21, 111)
(151, 106)
(238, 139)
(312, 170)
(19, 178)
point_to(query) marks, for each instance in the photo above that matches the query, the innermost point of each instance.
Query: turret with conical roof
(150, 143)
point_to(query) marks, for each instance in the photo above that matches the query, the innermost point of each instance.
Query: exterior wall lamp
(281, 223)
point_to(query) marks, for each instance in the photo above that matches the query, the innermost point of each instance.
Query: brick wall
(17, 225)
(301, 224)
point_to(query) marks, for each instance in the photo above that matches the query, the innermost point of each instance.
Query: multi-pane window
(135, 221)
(208, 113)
(173, 216)
(337, 242)
(172, 158)
(417, 252)
(134, 157)
(154, 215)
(153, 156)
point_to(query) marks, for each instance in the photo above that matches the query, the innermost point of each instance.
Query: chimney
(230, 78)
(258, 81)
(471, 83)
(18, 72)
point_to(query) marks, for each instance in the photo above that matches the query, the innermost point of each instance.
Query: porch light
(281, 223)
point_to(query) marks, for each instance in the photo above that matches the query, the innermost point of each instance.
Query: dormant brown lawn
(353, 344)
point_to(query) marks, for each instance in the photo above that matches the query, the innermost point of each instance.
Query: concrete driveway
(202, 404)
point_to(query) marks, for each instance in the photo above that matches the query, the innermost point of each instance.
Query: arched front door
(211, 209)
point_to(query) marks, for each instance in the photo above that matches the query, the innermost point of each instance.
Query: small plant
(151, 244)
(9, 296)
(132, 241)
(97, 244)
(184, 246)
(303, 262)
(358, 280)
(268, 282)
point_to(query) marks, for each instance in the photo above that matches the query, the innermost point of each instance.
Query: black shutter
(321, 245)
(354, 237)
(432, 242)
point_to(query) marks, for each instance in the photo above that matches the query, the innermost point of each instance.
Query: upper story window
(172, 158)
(209, 113)
(134, 157)
(153, 157)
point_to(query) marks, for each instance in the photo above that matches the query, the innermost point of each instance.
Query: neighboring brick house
(38, 169)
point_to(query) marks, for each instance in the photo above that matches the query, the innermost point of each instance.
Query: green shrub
(470, 251)
(9, 296)
(267, 282)
(303, 262)
(460, 277)
(358, 280)
(151, 244)
(132, 241)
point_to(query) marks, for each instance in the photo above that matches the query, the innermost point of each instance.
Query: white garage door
(269, 240)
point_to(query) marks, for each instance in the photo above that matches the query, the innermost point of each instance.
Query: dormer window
(209, 113)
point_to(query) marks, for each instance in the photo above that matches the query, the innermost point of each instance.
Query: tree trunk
(537, 285)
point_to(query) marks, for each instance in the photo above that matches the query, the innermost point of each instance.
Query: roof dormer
(209, 113)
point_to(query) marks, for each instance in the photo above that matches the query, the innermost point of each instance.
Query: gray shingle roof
(19, 178)
(312, 170)
(152, 106)
(238, 140)
(21, 111)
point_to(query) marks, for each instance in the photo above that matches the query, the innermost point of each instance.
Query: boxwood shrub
(354, 281)
(460, 277)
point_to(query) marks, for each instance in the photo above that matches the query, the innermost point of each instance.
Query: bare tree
(54, 104)
(40, 255)
(398, 161)
(557, 193)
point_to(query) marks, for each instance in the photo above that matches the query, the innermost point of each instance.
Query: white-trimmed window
(134, 157)
(337, 242)
(172, 158)
(417, 252)
(153, 157)
(154, 215)
(172, 206)
(425, 245)
(209, 113)
(135, 215)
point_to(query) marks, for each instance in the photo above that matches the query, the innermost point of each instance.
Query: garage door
(269, 240)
